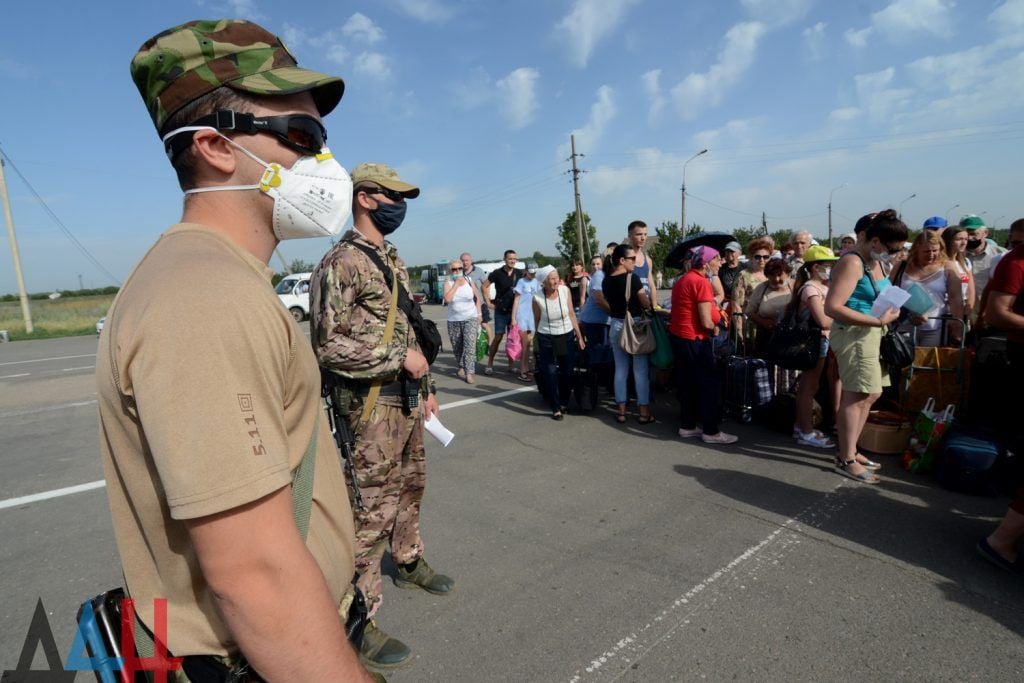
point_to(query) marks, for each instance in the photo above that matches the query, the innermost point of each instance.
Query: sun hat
(848, 236)
(817, 253)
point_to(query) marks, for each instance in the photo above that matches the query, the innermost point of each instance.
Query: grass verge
(55, 318)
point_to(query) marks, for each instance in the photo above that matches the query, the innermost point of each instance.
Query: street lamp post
(996, 221)
(830, 244)
(682, 215)
(899, 212)
(950, 210)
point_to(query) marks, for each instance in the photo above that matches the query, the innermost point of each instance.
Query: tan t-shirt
(208, 394)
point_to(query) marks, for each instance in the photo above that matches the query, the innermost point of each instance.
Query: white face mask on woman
(313, 198)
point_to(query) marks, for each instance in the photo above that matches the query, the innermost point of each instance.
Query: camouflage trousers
(391, 467)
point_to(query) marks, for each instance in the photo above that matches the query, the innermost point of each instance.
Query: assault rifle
(338, 421)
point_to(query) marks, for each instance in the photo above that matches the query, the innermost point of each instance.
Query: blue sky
(474, 100)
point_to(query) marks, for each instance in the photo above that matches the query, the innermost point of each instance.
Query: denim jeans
(623, 361)
(698, 383)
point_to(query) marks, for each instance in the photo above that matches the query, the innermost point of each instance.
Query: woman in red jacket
(695, 316)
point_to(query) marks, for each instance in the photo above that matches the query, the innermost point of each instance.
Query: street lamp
(950, 210)
(682, 217)
(830, 245)
(996, 221)
(900, 211)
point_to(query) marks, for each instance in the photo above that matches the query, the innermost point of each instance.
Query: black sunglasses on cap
(393, 195)
(301, 132)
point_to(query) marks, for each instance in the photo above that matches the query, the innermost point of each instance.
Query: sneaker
(814, 439)
(690, 433)
(720, 437)
(381, 650)
(488, 370)
(422, 576)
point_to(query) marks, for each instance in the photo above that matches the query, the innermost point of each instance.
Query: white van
(293, 291)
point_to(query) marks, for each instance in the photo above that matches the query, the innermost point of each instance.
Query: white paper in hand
(890, 297)
(437, 430)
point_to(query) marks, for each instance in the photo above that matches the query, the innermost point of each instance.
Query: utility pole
(830, 245)
(682, 213)
(287, 269)
(26, 312)
(584, 246)
(80, 287)
(764, 223)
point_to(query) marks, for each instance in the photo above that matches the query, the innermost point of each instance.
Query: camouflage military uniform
(349, 302)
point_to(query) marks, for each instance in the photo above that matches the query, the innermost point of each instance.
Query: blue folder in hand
(920, 301)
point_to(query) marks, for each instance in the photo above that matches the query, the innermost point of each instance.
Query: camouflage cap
(384, 176)
(188, 61)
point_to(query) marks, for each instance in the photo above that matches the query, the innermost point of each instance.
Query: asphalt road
(584, 550)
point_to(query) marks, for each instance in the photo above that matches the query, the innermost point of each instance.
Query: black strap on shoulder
(404, 302)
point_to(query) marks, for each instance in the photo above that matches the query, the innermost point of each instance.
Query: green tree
(694, 229)
(568, 243)
(781, 237)
(746, 235)
(668, 235)
(300, 266)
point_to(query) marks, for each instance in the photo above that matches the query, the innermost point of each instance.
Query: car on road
(100, 323)
(293, 291)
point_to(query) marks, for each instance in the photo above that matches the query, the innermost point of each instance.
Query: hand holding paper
(890, 297)
(437, 430)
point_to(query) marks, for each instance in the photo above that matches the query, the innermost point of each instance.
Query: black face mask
(387, 217)
(973, 244)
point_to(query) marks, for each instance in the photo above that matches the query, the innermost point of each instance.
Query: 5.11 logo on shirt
(249, 417)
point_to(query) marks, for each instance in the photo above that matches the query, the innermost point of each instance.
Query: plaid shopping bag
(929, 428)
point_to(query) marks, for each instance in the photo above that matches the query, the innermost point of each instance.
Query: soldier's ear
(213, 153)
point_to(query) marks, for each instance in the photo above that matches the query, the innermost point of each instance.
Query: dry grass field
(65, 317)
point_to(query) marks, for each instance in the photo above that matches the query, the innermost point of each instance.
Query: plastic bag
(929, 429)
(482, 347)
(514, 343)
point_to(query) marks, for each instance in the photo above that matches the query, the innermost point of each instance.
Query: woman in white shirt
(558, 337)
(463, 299)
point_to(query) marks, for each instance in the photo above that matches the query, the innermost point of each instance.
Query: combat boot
(381, 650)
(422, 576)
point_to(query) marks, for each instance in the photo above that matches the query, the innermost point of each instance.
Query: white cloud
(915, 16)
(245, 9)
(372, 65)
(814, 39)
(735, 132)
(877, 98)
(517, 96)
(360, 27)
(706, 89)
(901, 19)
(427, 11)
(588, 23)
(648, 166)
(778, 12)
(337, 54)
(476, 91)
(652, 86)
(14, 69)
(858, 38)
(1009, 16)
(844, 114)
(588, 137)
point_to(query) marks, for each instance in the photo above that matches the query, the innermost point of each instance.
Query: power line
(63, 228)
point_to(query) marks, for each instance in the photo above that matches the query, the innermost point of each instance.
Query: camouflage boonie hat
(384, 176)
(186, 62)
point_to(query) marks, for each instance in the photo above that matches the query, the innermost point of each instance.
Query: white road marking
(46, 409)
(81, 367)
(57, 493)
(43, 360)
(24, 374)
(482, 399)
(619, 660)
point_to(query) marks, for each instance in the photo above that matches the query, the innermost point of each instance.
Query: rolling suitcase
(968, 461)
(748, 385)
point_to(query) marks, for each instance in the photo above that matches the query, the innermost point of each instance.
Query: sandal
(645, 419)
(867, 463)
(557, 415)
(523, 377)
(620, 418)
(865, 477)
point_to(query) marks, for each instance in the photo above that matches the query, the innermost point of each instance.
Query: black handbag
(795, 344)
(897, 348)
